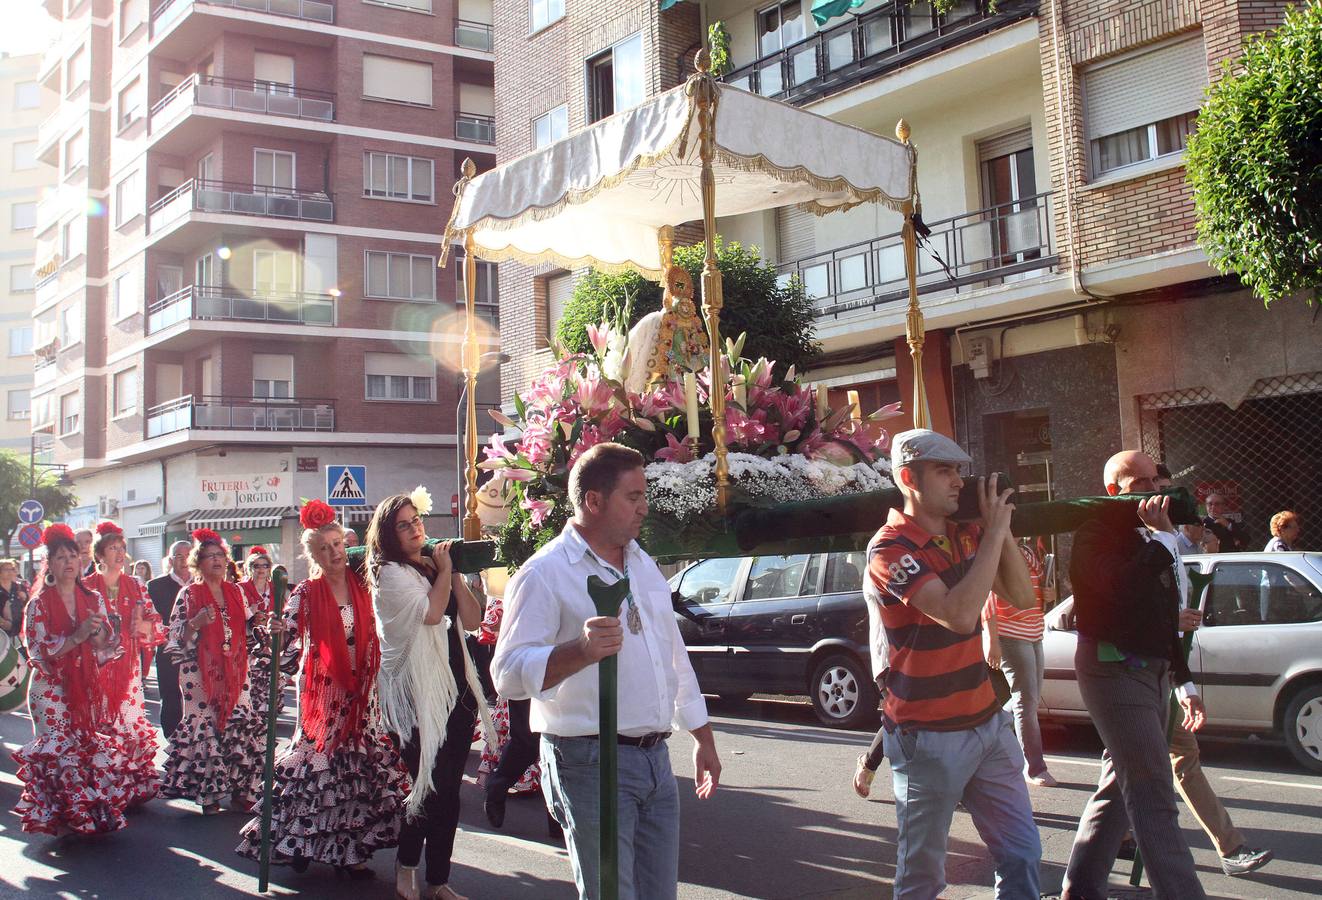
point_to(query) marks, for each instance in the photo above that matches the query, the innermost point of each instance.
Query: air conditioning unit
(107, 507)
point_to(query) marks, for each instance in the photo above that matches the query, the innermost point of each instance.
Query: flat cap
(925, 445)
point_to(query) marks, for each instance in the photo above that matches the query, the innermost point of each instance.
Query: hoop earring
(49, 579)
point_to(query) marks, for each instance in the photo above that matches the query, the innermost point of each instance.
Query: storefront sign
(238, 491)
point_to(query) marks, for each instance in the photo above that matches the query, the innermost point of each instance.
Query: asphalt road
(784, 823)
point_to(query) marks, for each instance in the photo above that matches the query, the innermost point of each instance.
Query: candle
(691, 402)
(823, 407)
(855, 408)
(740, 392)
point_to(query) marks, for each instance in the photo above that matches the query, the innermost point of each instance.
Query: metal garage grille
(1271, 447)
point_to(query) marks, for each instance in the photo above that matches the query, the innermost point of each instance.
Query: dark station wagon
(781, 625)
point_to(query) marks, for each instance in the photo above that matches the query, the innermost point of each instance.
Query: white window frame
(15, 284)
(1138, 166)
(403, 6)
(137, 111)
(412, 387)
(121, 295)
(269, 382)
(74, 335)
(13, 215)
(411, 298)
(551, 11)
(558, 115)
(293, 168)
(18, 332)
(127, 30)
(594, 60)
(21, 90)
(13, 163)
(71, 87)
(118, 410)
(25, 413)
(370, 158)
(75, 140)
(277, 258)
(487, 272)
(77, 414)
(128, 197)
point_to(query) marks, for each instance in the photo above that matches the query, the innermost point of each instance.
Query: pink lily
(599, 335)
(675, 451)
(538, 510)
(513, 474)
(496, 449)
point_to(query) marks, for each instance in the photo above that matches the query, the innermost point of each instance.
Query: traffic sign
(30, 536)
(346, 485)
(30, 511)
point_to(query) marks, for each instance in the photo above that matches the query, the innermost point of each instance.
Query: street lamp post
(459, 432)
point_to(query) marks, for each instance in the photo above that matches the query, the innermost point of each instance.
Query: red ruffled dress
(530, 780)
(70, 771)
(128, 726)
(259, 654)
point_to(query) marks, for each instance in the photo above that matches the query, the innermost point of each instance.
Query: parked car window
(775, 576)
(844, 572)
(710, 581)
(812, 576)
(1261, 594)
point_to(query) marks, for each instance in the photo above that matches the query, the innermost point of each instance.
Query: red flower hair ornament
(257, 551)
(108, 527)
(57, 532)
(203, 535)
(316, 513)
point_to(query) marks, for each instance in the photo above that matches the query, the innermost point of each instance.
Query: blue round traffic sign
(30, 511)
(30, 536)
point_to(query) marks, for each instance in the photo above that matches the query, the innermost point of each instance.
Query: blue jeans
(1024, 667)
(648, 811)
(981, 767)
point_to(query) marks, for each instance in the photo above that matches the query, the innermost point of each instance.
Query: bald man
(1127, 601)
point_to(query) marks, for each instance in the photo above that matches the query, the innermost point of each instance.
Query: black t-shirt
(12, 602)
(453, 634)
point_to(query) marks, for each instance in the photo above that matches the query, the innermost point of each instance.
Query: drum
(13, 675)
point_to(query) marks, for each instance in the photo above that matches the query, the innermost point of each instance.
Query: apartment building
(236, 276)
(25, 106)
(1069, 310)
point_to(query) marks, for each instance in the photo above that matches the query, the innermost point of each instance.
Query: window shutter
(1139, 90)
(795, 234)
(559, 289)
(397, 79)
(1005, 144)
(399, 364)
(272, 367)
(273, 67)
(477, 99)
(475, 11)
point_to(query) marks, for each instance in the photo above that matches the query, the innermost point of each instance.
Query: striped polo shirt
(938, 679)
(1011, 621)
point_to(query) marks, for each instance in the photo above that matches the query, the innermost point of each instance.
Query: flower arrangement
(206, 535)
(108, 527)
(420, 497)
(783, 442)
(57, 532)
(257, 551)
(315, 513)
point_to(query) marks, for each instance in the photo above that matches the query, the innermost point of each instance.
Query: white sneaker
(1044, 780)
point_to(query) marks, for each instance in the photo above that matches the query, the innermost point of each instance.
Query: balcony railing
(43, 370)
(475, 128)
(240, 199)
(312, 10)
(234, 305)
(240, 414)
(473, 35)
(869, 45)
(981, 248)
(259, 97)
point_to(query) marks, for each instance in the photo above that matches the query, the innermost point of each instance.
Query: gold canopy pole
(470, 361)
(702, 91)
(914, 329)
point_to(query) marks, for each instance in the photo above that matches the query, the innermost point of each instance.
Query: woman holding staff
(429, 689)
(216, 751)
(141, 630)
(256, 586)
(339, 788)
(70, 773)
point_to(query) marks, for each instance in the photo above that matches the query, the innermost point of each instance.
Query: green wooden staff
(279, 587)
(607, 599)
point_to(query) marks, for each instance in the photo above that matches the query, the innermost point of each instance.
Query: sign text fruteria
(238, 491)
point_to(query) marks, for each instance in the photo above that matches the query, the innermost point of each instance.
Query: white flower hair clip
(420, 497)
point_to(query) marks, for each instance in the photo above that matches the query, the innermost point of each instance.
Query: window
(615, 78)
(1261, 594)
(27, 95)
(401, 276)
(488, 283)
(25, 155)
(559, 288)
(709, 582)
(272, 376)
(125, 399)
(844, 572)
(544, 12)
(416, 5)
(123, 301)
(1143, 106)
(73, 240)
(22, 216)
(272, 70)
(132, 13)
(20, 404)
(71, 325)
(70, 407)
(273, 272)
(779, 26)
(130, 103)
(20, 278)
(206, 168)
(550, 127)
(20, 340)
(397, 177)
(76, 71)
(129, 199)
(273, 168)
(398, 376)
(400, 80)
(75, 155)
(775, 576)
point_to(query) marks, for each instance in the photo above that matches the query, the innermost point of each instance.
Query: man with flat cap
(948, 740)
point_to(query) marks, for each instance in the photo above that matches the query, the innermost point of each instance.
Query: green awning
(824, 11)
(666, 4)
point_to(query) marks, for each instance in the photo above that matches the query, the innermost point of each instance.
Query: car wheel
(1303, 727)
(843, 696)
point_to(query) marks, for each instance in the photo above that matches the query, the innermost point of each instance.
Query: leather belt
(651, 739)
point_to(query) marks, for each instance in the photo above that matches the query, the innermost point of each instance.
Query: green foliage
(1255, 162)
(15, 488)
(778, 320)
(718, 39)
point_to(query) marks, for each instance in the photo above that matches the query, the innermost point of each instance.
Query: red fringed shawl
(78, 671)
(334, 688)
(222, 672)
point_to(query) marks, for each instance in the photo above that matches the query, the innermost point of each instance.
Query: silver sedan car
(1257, 659)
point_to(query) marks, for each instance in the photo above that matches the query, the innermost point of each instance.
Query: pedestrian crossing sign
(346, 485)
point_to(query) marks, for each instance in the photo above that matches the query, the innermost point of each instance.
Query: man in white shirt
(550, 639)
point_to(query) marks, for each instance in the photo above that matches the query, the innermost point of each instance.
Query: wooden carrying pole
(471, 362)
(915, 331)
(279, 586)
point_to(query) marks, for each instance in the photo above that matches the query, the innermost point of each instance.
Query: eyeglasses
(210, 556)
(404, 525)
(261, 565)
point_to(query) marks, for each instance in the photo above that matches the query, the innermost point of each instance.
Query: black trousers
(172, 704)
(433, 830)
(520, 752)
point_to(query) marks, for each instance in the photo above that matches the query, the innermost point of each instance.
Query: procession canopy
(600, 197)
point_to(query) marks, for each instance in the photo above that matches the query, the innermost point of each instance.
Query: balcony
(476, 128)
(869, 45)
(228, 304)
(210, 413)
(981, 248)
(320, 11)
(43, 370)
(473, 35)
(230, 198)
(261, 98)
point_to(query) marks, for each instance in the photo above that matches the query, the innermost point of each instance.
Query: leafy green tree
(15, 488)
(1255, 162)
(777, 319)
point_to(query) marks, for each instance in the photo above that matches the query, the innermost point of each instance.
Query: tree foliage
(1255, 161)
(777, 319)
(15, 488)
